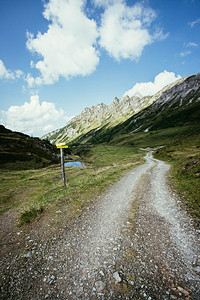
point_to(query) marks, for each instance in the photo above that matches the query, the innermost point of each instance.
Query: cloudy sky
(59, 56)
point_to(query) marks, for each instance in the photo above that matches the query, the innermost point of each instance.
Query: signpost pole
(62, 146)
(62, 166)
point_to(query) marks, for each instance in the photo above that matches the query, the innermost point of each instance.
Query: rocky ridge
(97, 116)
(127, 108)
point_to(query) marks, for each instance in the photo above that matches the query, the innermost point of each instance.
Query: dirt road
(135, 242)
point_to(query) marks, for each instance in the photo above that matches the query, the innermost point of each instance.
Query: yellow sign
(61, 145)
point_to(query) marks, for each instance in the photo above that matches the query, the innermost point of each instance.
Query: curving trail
(134, 243)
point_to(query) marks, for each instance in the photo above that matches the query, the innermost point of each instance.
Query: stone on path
(100, 285)
(117, 277)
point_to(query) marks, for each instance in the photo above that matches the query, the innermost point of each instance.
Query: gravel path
(135, 242)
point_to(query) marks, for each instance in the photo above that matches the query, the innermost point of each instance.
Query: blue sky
(59, 56)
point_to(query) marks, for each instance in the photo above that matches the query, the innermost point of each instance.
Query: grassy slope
(184, 157)
(174, 126)
(19, 151)
(155, 117)
(182, 150)
(36, 192)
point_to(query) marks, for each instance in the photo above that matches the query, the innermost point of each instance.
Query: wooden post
(62, 146)
(62, 166)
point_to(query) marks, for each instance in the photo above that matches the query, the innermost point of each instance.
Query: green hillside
(172, 125)
(20, 151)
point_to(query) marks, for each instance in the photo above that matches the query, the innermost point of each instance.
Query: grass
(29, 215)
(184, 157)
(182, 150)
(35, 193)
(155, 138)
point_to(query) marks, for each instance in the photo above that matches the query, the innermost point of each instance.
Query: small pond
(74, 164)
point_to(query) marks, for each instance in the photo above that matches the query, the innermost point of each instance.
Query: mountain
(175, 105)
(20, 151)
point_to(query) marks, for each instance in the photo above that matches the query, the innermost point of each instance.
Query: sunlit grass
(184, 158)
(37, 192)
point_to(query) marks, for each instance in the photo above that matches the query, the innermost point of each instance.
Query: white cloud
(33, 118)
(124, 30)
(8, 74)
(192, 44)
(193, 23)
(150, 88)
(70, 45)
(67, 48)
(185, 53)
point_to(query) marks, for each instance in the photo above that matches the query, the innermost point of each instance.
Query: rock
(184, 292)
(197, 269)
(100, 285)
(79, 290)
(101, 273)
(117, 277)
(29, 254)
(173, 95)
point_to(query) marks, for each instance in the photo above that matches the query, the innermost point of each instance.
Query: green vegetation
(29, 215)
(181, 148)
(38, 193)
(154, 138)
(184, 156)
(19, 151)
(107, 150)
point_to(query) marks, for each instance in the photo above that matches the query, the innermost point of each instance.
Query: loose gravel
(134, 242)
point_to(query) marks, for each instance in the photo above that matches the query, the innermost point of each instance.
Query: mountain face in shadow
(20, 151)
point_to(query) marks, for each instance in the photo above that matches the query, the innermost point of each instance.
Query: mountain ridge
(107, 117)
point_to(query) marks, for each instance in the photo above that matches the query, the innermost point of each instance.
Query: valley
(174, 106)
(38, 215)
(100, 150)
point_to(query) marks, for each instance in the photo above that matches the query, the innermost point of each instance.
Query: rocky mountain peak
(115, 101)
(120, 110)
